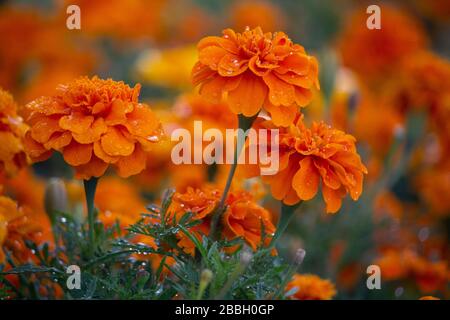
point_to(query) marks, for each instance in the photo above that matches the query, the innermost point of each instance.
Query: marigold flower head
(12, 129)
(374, 52)
(254, 70)
(94, 123)
(17, 225)
(309, 156)
(242, 218)
(311, 287)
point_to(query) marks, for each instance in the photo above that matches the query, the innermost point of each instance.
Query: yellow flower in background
(169, 68)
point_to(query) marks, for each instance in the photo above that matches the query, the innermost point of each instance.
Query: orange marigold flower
(94, 123)
(310, 155)
(373, 52)
(242, 218)
(311, 287)
(12, 130)
(16, 225)
(252, 70)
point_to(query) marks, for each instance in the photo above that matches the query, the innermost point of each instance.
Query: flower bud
(299, 256)
(55, 196)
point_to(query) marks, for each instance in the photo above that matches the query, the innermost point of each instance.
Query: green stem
(287, 212)
(89, 188)
(245, 124)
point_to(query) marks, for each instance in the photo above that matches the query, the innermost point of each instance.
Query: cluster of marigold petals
(312, 156)
(254, 70)
(16, 226)
(242, 217)
(94, 123)
(12, 130)
(311, 287)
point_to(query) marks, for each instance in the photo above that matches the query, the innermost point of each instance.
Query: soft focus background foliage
(389, 88)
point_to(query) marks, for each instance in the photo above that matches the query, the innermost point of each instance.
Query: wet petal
(93, 134)
(42, 129)
(280, 92)
(59, 140)
(94, 168)
(306, 180)
(332, 198)
(76, 122)
(114, 143)
(77, 154)
(142, 121)
(249, 95)
(133, 164)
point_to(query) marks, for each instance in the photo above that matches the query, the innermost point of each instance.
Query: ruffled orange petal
(100, 153)
(77, 154)
(76, 122)
(93, 134)
(131, 165)
(306, 180)
(282, 116)
(118, 112)
(280, 92)
(114, 143)
(302, 96)
(43, 128)
(248, 97)
(142, 121)
(58, 140)
(201, 73)
(35, 150)
(332, 198)
(211, 56)
(297, 63)
(94, 168)
(230, 66)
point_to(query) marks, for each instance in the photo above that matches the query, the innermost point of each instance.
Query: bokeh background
(390, 88)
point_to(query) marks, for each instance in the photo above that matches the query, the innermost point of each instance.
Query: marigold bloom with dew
(311, 287)
(243, 216)
(309, 156)
(16, 226)
(12, 130)
(94, 123)
(254, 70)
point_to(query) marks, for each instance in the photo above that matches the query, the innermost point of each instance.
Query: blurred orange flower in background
(310, 287)
(93, 123)
(311, 155)
(118, 201)
(12, 131)
(251, 13)
(16, 226)
(429, 275)
(254, 70)
(374, 53)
